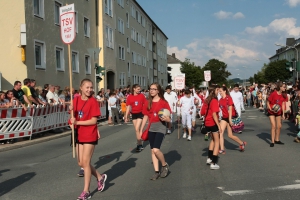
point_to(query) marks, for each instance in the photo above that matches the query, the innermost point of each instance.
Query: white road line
(287, 187)
(238, 192)
(245, 192)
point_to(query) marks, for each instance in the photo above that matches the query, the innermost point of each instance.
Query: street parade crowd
(154, 112)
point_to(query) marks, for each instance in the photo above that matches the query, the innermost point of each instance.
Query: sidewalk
(22, 142)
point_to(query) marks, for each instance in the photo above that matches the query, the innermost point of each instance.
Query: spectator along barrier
(17, 123)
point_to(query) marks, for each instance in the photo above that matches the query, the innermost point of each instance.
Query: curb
(39, 140)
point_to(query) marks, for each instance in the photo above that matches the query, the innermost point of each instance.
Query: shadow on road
(265, 136)
(229, 145)
(103, 160)
(117, 170)
(8, 185)
(4, 170)
(172, 156)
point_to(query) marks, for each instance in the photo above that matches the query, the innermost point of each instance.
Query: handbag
(203, 128)
(238, 124)
(145, 134)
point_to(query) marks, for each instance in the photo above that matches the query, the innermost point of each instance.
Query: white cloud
(251, 48)
(223, 15)
(293, 3)
(285, 26)
(238, 15)
(228, 15)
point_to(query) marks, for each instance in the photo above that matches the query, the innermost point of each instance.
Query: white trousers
(186, 120)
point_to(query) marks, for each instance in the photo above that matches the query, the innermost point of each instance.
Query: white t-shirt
(50, 95)
(171, 98)
(112, 101)
(186, 104)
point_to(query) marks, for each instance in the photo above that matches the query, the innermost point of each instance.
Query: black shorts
(155, 139)
(274, 114)
(137, 115)
(93, 143)
(225, 119)
(213, 129)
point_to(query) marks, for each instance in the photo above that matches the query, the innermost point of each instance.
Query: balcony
(155, 72)
(154, 39)
(154, 56)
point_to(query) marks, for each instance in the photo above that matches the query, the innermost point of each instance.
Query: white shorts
(186, 120)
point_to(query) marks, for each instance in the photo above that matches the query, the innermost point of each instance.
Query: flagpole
(71, 96)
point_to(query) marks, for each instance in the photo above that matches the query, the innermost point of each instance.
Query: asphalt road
(48, 171)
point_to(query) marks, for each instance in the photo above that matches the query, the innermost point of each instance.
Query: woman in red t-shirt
(136, 101)
(157, 128)
(210, 110)
(86, 112)
(276, 97)
(228, 112)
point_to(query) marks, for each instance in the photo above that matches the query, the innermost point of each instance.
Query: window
(138, 16)
(133, 11)
(128, 69)
(87, 62)
(75, 62)
(39, 55)
(121, 3)
(86, 26)
(59, 56)
(121, 53)
(109, 37)
(76, 19)
(143, 22)
(127, 19)
(108, 7)
(133, 34)
(57, 5)
(128, 45)
(134, 58)
(143, 41)
(38, 8)
(122, 79)
(121, 26)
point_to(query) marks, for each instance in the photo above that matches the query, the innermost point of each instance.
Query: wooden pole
(71, 95)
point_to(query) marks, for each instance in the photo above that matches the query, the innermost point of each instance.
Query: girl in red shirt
(157, 128)
(228, 112)
(276, 97)
(135, 102)
(210, 110)
(86, 112)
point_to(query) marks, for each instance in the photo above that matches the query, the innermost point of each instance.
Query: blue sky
(241, 33)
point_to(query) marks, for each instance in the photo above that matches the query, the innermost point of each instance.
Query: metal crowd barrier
(17, 123)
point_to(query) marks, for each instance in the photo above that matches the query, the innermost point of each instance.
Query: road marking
(238, 192)
(245, 192)
(251, 116)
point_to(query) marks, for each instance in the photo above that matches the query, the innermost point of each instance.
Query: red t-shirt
(213, 107)
(276, 98)
(136, 102)
(155, 108)
(224, 104)
(87, 110)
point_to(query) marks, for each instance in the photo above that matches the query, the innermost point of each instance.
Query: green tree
(192, 73)
(277, 71)
(219, 72)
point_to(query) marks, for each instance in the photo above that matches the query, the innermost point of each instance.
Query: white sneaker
(189, 138)
(214, 166)
(208, 161)
(184, 135)
(169, 131)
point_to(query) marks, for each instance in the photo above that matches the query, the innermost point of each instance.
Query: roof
(140, 7)
(173, 60)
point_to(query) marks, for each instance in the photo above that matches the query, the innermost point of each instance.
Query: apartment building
(31, 45)
(288, 51)
(134, 47)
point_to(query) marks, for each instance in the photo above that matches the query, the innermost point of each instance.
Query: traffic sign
(207, 75)
(67, 23)
(179, 81)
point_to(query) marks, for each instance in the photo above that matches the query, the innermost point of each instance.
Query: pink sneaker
(242, 147)
(101, 182)
(84, 195)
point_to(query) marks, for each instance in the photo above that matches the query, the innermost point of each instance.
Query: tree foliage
(219, 72)
(192, 73)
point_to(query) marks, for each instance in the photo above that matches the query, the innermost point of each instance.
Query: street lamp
(294, 47)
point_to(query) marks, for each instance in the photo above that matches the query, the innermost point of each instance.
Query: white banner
(67, 23)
